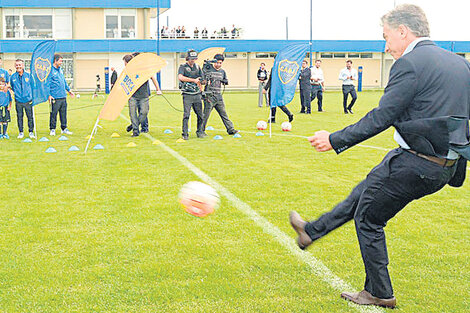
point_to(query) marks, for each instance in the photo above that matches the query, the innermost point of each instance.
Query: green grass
(103, 232)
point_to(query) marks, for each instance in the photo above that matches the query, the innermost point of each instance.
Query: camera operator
(190, 77)
(215, 77)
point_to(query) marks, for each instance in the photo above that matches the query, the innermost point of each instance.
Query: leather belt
(440, 161)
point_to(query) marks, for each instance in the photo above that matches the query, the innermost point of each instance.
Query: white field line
(318, 268)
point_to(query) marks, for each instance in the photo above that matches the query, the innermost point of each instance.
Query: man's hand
(50, 99)
(159, 92)
(321, 141)
(71, 93)
(264, 91)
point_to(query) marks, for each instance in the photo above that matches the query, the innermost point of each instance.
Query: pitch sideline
(287, 242)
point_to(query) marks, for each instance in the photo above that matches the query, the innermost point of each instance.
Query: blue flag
(285, 74)
(41, 65)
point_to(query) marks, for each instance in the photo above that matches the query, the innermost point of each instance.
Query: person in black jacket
(114, 77)
(305, 88)
(428, 103)
(267, 90)
(262, 76)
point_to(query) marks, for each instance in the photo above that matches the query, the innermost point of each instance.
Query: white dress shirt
(345, 74)
(317, 73)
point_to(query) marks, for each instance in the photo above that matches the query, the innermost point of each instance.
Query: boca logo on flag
(128, 85)
(287, 70)
(42, 68)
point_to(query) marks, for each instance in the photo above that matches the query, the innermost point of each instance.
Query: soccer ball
(261, 125)
(198, 199)
(286, 126)
(78, 96)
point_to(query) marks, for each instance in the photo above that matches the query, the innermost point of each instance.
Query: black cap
(191, 55)
(219, 57)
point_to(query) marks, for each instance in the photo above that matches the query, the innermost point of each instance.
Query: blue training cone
(43, 139)
(168, 131)
(209, 128)
(218, 137)
(27, 140)
(63, 138)
(237, 135)
(51, 150)
(98, 147)
(259, 134)
(74, 148)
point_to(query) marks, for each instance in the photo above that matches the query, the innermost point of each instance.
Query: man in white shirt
(348, 75)
(318, 84)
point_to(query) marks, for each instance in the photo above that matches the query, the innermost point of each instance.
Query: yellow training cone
(131, 145)
(156, 142)
(115, 135)
(181, 140)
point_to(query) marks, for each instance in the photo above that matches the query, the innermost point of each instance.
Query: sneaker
(1, 136)
(6, 136)
(291, 118)
(31, 135)
(67, 132)
(233, 132)
(52, 133)
(185, 137)
(144, 131)
(135, 134)
(129, 128)
(201, 135)
(20, 135)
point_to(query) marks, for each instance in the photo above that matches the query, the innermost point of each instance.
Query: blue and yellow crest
(43, 68)
(287, 70)
(127, 84)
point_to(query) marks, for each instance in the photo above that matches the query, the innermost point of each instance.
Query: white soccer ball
(286, 126)
(198, 199)
(261, 125)
(78, 96)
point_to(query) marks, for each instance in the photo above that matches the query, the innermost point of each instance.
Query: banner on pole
(208, 54)
(135, 74)
(285, 73)
(41, 66)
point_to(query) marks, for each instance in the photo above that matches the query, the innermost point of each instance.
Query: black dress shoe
(301, 112)
(303, 240)
(129, 128)
(346, 112)
(185, 137)
(135, 134)
(232, 132)
(365, 298)
(291, 118)
(350, 111)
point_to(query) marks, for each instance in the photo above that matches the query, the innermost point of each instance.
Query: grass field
(103, 232)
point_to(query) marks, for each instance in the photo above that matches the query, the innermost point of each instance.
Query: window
(37, 26)
(37, 23)
(262, 55)
(354, 55)
(230, 55)
(339, 55)
(326, 55)
(120, 23)
(366, 55)
(67, 68)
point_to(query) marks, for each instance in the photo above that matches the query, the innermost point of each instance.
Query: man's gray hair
(409, 15)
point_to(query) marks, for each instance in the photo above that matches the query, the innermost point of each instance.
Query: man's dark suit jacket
(114, 77)
(428, 88)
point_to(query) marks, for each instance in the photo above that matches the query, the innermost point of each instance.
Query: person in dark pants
(305, 88)
(215, 77)
(58, 97)
(262, 76)
(423, 100)
(318, 84)
(348, 75)
(20, 83)
(190, 77)
(267, 90)
(114, 77)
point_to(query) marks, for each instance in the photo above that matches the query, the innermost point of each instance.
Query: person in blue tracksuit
(58, 97)
(5, 107)
(20, 82)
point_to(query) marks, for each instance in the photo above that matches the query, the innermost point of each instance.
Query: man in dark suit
(427, 100)
(114, 77)
(305, 88)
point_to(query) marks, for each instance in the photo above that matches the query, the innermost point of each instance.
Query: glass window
(326, 55)
(339, 55)
(230, 55)
(353, 55)
(366, 55)
(67, 68)
(127, 27)
(112, 27)
(12, 26)
(37, 26)
(262, 55)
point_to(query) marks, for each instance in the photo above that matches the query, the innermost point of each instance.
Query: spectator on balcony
(204, 33)
(234, 31)
(178, 32)
(173, 33)
(196, 33)
(183, 32)
(214, 35)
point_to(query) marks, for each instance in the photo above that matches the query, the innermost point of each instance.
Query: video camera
(208, 64)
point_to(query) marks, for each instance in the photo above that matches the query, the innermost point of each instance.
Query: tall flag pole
(311, 31)
(158, 41)
(41, 66)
